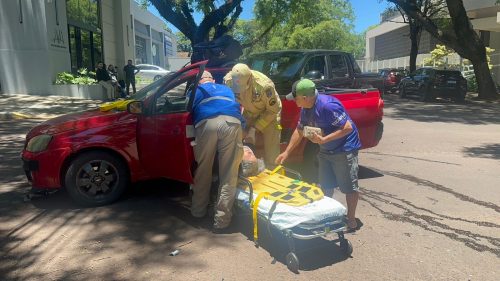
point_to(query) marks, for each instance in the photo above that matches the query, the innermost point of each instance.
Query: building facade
(388, 45)
(41, 38)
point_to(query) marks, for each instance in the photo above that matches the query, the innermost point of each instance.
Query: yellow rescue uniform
(262, 110)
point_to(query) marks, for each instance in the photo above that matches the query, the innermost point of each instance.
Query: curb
(5, 116)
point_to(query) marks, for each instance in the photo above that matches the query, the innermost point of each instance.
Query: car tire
(156, 77)
(460, 98)
(402, 91)
(426, 94)
(96, 178)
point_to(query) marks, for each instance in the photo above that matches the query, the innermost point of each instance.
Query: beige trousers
(221, 135)
(108, 86)
(271, 137)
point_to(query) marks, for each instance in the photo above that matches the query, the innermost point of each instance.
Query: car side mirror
(135, 107)
(313, 75)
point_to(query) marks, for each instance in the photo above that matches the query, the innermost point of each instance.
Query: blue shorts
(339, 170)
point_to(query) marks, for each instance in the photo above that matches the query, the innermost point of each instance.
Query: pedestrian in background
(103, 79)
(339, 142)
(218, 130)
(130, 72)
(261, 107)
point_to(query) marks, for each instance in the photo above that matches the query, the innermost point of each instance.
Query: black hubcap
(97, 178)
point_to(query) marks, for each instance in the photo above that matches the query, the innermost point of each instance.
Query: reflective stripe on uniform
(215, 98)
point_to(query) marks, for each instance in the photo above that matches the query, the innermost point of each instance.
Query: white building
(388, 45)
(40, 38)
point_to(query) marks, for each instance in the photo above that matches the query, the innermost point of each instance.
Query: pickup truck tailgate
(366, 110)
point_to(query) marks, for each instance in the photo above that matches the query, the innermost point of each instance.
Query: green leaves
(84, 77)
(309, 24)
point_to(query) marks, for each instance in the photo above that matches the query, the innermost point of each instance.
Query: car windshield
(277, 65)
(153, 87)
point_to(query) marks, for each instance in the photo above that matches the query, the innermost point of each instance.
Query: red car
(96, 154)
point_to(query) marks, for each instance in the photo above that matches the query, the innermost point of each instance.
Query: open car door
(165, 130)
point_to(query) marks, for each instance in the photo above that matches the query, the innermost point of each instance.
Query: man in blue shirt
(337, 137)
(218, 129)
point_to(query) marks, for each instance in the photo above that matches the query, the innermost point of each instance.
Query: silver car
(151, 72)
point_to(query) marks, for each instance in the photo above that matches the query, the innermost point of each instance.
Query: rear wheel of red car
(96, 178)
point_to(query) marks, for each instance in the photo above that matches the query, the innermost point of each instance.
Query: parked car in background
(327, 68)
(151, 72)
(392, 77)
(429, 83)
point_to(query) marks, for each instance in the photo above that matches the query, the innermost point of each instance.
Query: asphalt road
(429, 211)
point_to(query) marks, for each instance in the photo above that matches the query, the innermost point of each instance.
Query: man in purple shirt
(339, 142)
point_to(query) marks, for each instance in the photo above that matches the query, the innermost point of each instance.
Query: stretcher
(294, 208)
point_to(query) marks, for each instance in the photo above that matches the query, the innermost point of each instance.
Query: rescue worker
(261, 107)
(218, 129)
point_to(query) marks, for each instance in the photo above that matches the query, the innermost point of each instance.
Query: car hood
(79, 121)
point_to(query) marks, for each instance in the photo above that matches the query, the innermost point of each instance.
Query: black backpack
(221, 52)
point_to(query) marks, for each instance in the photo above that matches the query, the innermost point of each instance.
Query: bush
(472, 84)
(83, 77)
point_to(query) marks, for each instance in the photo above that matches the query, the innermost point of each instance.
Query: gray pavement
(429, 209)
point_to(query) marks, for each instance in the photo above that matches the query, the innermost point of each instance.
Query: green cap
(304, 87)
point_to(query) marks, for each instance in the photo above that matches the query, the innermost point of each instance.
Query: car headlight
(38, 143)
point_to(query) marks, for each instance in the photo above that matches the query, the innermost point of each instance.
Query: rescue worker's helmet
(241, 76)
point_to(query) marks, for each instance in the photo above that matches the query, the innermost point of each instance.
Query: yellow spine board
(119, 105)
(274, 185)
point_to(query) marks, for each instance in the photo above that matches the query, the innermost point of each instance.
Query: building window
(155, 51)
(85, 36)
(140, 50)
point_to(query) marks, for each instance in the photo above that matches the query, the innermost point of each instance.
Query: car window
(338, 66)
(283, 65)
(315, 68)
(175, 99)
(418, 71)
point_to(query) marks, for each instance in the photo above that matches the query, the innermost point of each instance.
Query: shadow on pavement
(491, 151)
(442, 111)
(141, 229)
(313, 254)
(367, 173)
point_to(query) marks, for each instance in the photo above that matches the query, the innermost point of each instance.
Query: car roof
(300, 51)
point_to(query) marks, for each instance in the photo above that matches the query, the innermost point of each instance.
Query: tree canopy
(307, 24)
(218, 16)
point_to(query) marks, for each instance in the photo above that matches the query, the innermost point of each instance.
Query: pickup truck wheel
(96, 179)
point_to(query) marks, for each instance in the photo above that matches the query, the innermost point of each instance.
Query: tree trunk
(485, 84)
(415, 32)
(463, 39)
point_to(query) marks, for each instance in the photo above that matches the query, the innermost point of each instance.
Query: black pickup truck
(328, 69)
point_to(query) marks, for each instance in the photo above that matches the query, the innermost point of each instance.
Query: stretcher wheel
(292, 262)
(346, 247)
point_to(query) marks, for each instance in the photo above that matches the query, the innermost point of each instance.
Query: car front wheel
(96, 178)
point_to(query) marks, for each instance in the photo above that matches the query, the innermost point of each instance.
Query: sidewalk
(41, 107)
